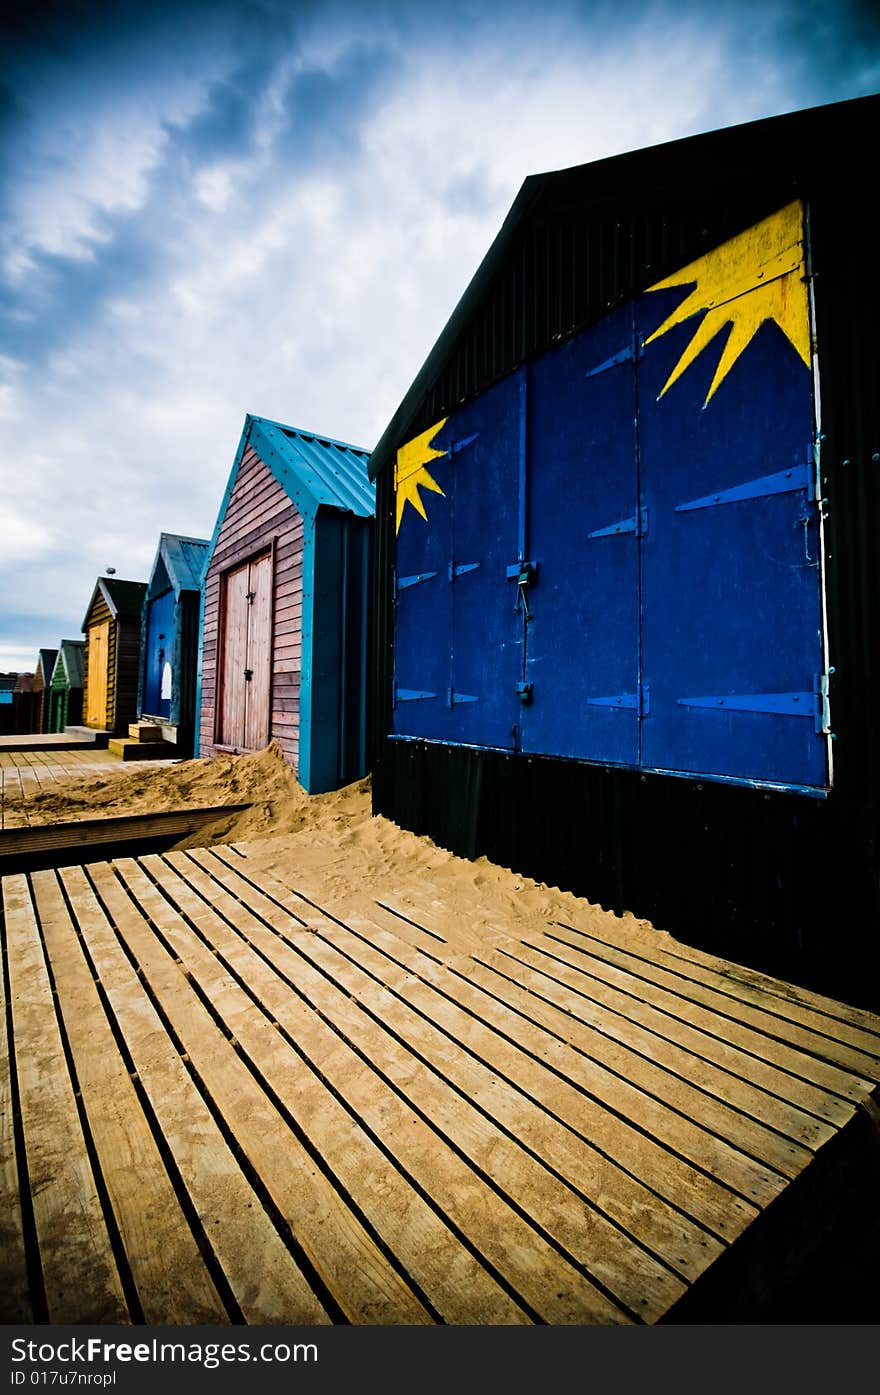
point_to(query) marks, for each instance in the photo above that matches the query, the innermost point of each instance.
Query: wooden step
(126, 749)
(145, 731)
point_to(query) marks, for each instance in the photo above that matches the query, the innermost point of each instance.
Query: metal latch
(524, 574)
(525, 692)
(248, 675)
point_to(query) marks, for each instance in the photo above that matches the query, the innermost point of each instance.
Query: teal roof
(314, 471)
(180, 561)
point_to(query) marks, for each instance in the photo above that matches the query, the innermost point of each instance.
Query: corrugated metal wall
(779, 880)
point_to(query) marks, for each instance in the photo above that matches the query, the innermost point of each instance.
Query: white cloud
(303, 289)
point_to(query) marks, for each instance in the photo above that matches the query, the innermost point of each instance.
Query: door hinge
(459, 569)
(772, 704)
(782, 482)
(409, 694)
(637, 523)
(404, 581)
(626, 702)
(453, 698)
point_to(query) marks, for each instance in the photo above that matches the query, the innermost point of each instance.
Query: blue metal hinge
(405, 581)
(458, 446)
(783, 482)
(461, 568)
(637, 523)
(774, 704)
(631, 354)
(410, 694)
(633, 702)
(452, 697)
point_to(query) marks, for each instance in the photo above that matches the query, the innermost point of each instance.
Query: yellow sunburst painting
(410, 474)
(754, 277)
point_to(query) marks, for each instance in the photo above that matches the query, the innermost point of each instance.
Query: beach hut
(286, 605)
(65, 706)
(112, 629)
(23, 704)
(7, 690)
(42, 680)
(627, 635)
(170, 639)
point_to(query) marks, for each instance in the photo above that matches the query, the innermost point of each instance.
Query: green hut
(66, 687)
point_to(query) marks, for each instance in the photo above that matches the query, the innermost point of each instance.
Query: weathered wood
(504, 1236)
(265, 1280)
(16, 1304)
(461, 1288)
(162, 1254)
(81, 1279)
(257, 513)
(364, 1284)
(807, 1031)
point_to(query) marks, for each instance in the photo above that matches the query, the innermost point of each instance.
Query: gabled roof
(125, 598)
(314, 471)
(746, 158)
(46, 663)
(179, 561)
(70, 660)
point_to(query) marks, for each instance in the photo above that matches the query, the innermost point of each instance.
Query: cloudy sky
(273, 206)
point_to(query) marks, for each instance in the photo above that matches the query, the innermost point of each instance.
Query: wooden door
(259, 654)
(246, 659)
(99, 655)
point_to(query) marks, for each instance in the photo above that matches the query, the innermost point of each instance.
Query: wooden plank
(592, 1171)
(81, 1279)
(265, 1280)
(504, 1236)
(600, 1023)
(583, 995)
(460, 1288)
(757, 1123)
(807, 1031)
(259, 653)
(489, 1056)
(365, 1285)
(15, 1297)
(162, 1253)
(833, 1087)
(780, 997)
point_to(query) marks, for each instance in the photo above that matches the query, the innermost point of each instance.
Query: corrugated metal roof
(332, 473)
(70, 656)
(184, 560)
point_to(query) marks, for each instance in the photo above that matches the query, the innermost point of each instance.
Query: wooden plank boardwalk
(221, 1099)
(26, 774)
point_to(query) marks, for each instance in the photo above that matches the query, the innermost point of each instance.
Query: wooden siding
(259, 515)
(123, 664)
(127, 668)
(97, 616)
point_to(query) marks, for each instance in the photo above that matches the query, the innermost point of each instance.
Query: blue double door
(621, 575)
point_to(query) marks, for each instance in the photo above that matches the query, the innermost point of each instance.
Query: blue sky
(271, 206)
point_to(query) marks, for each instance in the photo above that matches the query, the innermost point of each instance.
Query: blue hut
(286, 607)
(170, 639)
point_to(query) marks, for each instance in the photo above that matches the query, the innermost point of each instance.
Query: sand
(329, 845)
